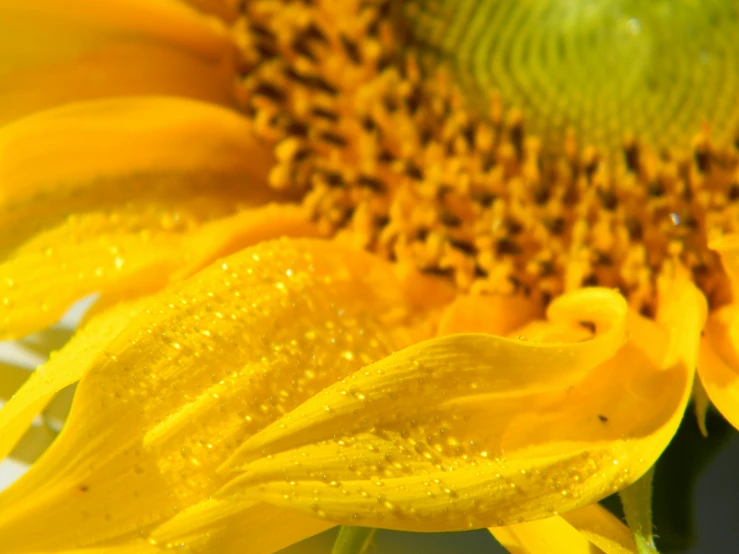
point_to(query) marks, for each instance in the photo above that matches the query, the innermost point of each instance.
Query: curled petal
(451, 367)
(718, 363)
(57, 52)
(208, 363)
(439, 445)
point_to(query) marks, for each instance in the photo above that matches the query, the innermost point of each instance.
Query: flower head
(333, 290)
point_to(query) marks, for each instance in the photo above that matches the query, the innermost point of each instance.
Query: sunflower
(337, 287)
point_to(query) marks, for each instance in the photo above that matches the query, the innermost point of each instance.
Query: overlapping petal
(212, 361)
(718, 364)
(41, 281)
(57, 52)
(421, 441)
(63, 368)
(186, 164)
(587, 530)
(166, 160)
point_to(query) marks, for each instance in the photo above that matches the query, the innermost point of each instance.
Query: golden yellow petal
(495, 315)
(728, 248)
(144, 163)
(91, 253)
(237, 527)
(552, 535)
(718, 363)
(37, 287)
(118, 143)
(602, 529)
(63, 368)
(454, 366)
(212, 361)
(226, 10)
(421, 441)
(132, 547)
(57, 52)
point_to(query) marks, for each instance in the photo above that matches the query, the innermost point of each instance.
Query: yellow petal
(448, 447)
(718, 364)
(212, 361)
(452, 367)
(587, 530)
(602, 529)
(237, 527)
(551, 535)
(227, 10)
(728, 248)
(38, 287)
(62, 265)
(116, 148)
(147, 163)
(63, 368)
(495, 315)
(133, 547)
(57, 52)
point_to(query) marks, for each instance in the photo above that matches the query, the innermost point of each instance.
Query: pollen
(390, 155)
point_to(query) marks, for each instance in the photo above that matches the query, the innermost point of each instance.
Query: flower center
(393, 158)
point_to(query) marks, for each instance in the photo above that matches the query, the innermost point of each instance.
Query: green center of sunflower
(392, 155)
(656, 70)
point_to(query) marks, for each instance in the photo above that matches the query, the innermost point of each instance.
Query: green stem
(637, 503)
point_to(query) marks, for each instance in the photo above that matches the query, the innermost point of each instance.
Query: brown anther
(556, 225)
(351, 48)
(590, 281)
(303, 48)
(513, 226)
(333, 138)
(656, 189)
(449, 219)
(733, 193)
(608, 199)
(269, 91)
(372, 183)
(323, 113)
(631, 155)
(485, 199)
(413, 171)
(333, 179)
(463, 246)
(386, 157)
(507, 246)
(634, 228)
(541, 194)
(603, 259)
